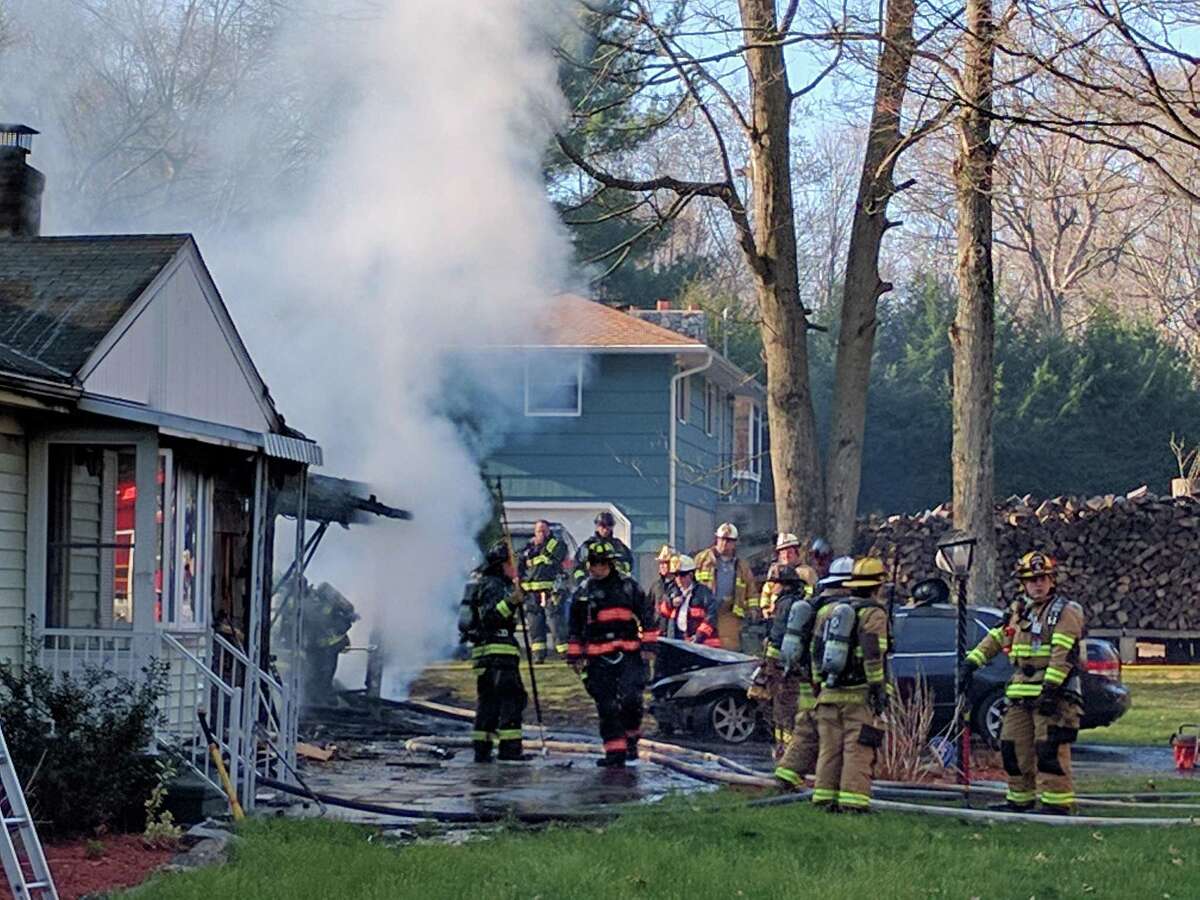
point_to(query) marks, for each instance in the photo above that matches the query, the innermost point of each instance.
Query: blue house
(633, 412)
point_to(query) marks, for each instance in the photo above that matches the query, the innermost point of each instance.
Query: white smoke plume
(424, 226)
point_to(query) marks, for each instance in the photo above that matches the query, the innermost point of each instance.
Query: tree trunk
(795, 461)
(863, 286)
(973, 333)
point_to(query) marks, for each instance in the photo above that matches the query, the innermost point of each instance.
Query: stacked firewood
(1131, 560)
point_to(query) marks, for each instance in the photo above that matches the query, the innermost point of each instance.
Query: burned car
(702, 690)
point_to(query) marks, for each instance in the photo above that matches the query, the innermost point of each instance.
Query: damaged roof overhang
(337, 500)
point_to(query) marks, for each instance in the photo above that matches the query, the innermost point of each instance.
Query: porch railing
(271, 721)
(193, 686)
(74, 651)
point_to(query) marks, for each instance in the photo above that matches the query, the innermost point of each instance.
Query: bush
(80, 744)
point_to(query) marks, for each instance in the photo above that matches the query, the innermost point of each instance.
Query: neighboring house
(632, 412)
(142, 467)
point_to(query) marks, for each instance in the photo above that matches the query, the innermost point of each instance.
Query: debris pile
(1130, 560)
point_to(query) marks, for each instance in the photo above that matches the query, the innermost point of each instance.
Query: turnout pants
(800, 757)
(1036, 751)
(546, 630)
(499, 702)
(616, 684)
(785, 690)
(850, 735)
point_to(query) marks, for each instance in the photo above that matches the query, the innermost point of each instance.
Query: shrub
(80, 744)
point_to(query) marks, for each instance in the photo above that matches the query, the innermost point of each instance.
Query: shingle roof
(574, 321)
(59, 296)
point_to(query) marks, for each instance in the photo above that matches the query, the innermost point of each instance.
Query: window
(712, 408)
(554, 385)
(92, 496)
(187, 545)
(756, 434)
(683, 399)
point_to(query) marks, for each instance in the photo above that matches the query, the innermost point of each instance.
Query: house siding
(699, 475)
(13, 492)
(614, 451)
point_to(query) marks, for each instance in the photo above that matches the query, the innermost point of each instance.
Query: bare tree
(973, 332)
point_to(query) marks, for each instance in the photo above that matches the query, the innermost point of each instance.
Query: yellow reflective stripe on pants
(510, 734)
(537, 645)
(494, 650)
(849, 798)
(1020, 796)
(482, 736)
(1064, 799)
(824, 795)
(560, 649)
(789, 776)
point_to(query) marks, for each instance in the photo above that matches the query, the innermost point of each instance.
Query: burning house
(143, 467)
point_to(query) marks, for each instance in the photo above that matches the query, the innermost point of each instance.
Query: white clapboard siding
(12, 546)
(181, 356)
(84, 589)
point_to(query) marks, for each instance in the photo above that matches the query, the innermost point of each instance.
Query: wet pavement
(1106, 760)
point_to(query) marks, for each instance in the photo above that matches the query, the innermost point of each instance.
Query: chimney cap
(17, 135)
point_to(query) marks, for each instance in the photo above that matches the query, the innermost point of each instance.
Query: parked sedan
(703, 690)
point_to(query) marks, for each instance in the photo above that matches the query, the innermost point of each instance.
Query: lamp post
(955, 553)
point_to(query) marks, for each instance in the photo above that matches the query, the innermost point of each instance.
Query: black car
(703, 690)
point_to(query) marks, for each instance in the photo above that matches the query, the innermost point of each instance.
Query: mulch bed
(124, 862)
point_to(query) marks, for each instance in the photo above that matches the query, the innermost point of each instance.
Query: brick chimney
(690, 322)
(20, 184)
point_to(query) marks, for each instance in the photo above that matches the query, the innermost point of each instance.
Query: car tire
(730, 717)
(988, 717)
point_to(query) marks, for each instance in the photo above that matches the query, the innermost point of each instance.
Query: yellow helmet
(673, 565)
(868, 571)
(665, 554)
(1036, 563)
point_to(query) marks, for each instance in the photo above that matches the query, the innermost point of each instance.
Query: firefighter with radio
(539, 566)
(611, 622)
(487, 619)
(849, 651)
(1041, 637)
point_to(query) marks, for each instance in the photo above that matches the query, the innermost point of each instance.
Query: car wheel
(988, 718)
(731, 718)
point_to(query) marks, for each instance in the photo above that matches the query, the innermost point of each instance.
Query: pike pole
(519, 594)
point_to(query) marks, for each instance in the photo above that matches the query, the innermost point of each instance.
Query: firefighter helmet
(674, 563)
(1035, 564)
(931, 590)
(867, 572)
(665, 554)
(686, 564)
(606, 518)
(496, 554)
(600, 552)
(727, 530)
(786, 539)
(839, 570)
(820, 547)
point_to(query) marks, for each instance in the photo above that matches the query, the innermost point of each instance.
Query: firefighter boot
(483, 750)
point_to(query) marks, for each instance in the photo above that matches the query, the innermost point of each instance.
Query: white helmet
(839, 570)
(786, 539)
(686, 564)
(727, 530)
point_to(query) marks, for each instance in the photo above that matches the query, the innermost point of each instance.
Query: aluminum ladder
(24, 863)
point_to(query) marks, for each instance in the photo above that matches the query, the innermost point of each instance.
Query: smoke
(419, 229)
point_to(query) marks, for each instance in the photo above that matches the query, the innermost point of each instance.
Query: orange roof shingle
(575, 321)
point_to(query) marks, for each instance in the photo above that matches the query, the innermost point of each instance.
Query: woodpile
(1131, 560)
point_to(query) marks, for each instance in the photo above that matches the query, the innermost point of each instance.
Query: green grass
(705, 848)
(1136, 784)
(1163, 698)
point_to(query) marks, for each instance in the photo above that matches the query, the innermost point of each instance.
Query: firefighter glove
(966, 672)
(877, 699)
(1048, 702)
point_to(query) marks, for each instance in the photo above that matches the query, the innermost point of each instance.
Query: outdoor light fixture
(955, 553)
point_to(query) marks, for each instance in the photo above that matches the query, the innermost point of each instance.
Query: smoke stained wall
(419, 227)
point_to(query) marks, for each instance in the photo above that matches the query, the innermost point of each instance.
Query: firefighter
(787, 553)
(328, 616)
(662, 588)
(1041, 638)
(690, 613)
(720, 570)
(605, 648)
(930, 591)
(622, 555)
(820, 556)
(487, 619)
(781, 687)
(849, 648)
(539, 566)
(795, 657)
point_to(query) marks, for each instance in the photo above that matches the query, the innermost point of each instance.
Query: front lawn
(704, 848)
(1163, 698)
